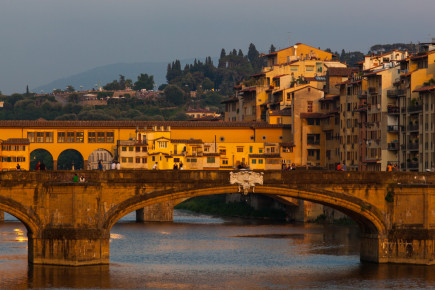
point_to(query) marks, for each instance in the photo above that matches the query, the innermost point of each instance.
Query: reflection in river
(204, 252)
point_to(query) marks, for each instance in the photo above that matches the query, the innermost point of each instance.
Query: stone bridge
(69, 223)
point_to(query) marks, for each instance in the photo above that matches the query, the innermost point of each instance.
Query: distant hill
(108, 73)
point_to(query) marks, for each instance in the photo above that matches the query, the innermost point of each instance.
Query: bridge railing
(189, 176)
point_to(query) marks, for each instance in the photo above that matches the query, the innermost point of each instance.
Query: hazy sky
(43, 40)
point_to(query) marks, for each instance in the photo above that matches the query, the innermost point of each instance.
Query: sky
(43, 40)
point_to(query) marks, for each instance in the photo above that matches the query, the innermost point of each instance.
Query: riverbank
(216, 205)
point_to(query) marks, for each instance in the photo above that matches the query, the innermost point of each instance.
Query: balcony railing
(412, 146)
(393, 128)
(412, 127)
(362, 94)
(414, 109)
(372, 90)
(412, 165)
(394, 146)
(395, 93)
(393, 110)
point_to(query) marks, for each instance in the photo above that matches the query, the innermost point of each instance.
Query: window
(260, 161)
(176, 160)
(92, 137)
(251, 149)
(294, 68)
(137, 149)
(130, 148)
(123, 148)
(144, 160)
(260, 150)
(310, 106)
(130, 159)
(162, 144)
(61, 137)
(211, 159)
(144, 149)
(124, 159)
(206, 148)
(313, 139)
(225, 162)
(309, 68)
(137, 159)
(253, 161)
(101, 137)
(31, 137)
(239, 149)
(223, 151)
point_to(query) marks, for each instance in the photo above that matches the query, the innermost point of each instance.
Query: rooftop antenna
(288, 39)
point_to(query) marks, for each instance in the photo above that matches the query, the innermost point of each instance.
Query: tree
(272, 48)
(254, 57)
(144, 82)
(174, 94)
(122, 82)
(70, 89)
(73, 98)
(207, 84)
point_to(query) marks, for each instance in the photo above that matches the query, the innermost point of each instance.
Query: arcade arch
(70, 159)
(99, 154)
(41, 155)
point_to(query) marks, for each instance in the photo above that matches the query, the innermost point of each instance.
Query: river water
(203, 252)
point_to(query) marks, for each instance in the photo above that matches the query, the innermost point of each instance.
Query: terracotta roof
(249, 89)
(314, 115)
(133, 124)
(187, 141)
(310, 79)
(425, 89)
(280, 113)
(211, 154)
(16, 141)
(287, 144)
(230, 100)
(258, 75)
(329, 98)
(206, 118)
(277, 77)
(340, 71)
(264, 155)
(199, 111)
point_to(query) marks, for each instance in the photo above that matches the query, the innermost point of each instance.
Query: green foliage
(174, 94)
(381, 48)
(70, 89)
(73, 98)
(215, 205)
(144, 82)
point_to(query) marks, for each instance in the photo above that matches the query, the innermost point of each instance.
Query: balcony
(372, 91)
(395, 93)
(393, 146)
(412, 164)
(412, 127)
(362, 94)
(415, 109)
(412, 146)
(393, 128)
(393, 110)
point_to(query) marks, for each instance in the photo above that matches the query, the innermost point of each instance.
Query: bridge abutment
(69, 248)
(2, 216)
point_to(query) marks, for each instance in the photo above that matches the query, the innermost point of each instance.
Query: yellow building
(139, 144)
(14, 151)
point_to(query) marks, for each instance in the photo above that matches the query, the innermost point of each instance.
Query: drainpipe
(215, 147)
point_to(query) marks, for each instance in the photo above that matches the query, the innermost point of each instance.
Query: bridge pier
(69, 247)
(159, 212)
(2, 216)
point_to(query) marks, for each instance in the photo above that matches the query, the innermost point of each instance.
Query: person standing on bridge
(113, 166)
(156, 166)
(18, 167)
(38, 165)
(75, 178)
(100, 165)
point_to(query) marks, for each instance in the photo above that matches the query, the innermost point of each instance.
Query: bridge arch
(367, 216)
(17, 210)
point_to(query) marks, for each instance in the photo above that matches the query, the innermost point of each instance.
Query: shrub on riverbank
(215, 205)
